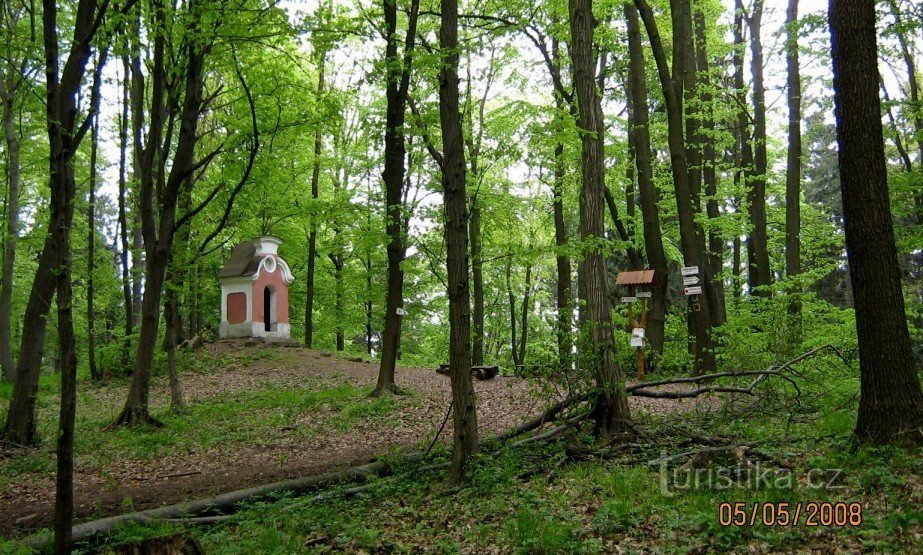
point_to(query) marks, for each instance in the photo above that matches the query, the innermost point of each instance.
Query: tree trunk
(564, 291)
(759, 272)
(91, 253)
(890, 402)
(123, 219)
(393, 177)
(610, 411)
(691, 241)
(793, 168)
(12, 232)
(20, 426)
(743, 145)
(913, 85)
(312, 233)
(340, 334)
(465, 438)
(477, 278)
(63, 141)
(158, 205)
(704, 138)
(565, 311)
(524, 336)
(648, 195)
(172, 325)
(514, 352)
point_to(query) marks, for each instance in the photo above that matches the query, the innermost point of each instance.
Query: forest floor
(256, 415)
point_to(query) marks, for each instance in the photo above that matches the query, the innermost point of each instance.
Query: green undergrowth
(536, 500)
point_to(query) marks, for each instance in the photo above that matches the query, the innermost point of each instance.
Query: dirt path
(136, 484)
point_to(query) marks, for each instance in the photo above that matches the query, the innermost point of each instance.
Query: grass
(222, 421)
(589, 507)
(539, 499)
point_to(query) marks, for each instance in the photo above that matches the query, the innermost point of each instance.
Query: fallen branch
(546, 416)
(554, 431)
(638, 390)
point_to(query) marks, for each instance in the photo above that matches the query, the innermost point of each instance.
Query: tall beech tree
(891, 400)
(793, 163)
(161, 176)
(692, 241)
(399, 67)
(452, 163)
(65, 134)
(15, 69)
(759, 274)
(648, 194)
(610, 411)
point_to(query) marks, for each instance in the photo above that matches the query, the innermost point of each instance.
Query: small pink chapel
(254, 291)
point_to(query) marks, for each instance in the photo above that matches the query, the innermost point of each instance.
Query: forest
(399, 276)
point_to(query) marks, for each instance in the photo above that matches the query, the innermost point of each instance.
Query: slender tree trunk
(393, 176)
(610, 412)
(648, 195)
(477, 280)
(12, 233)
(564, 292)
(759, 272)
(465, 438)
(913, 85)
(691, 241)
(20, 426)
(793, 171)
(514, 351)
(123, 218)
(172, 324)
(704, 138)
(63, 142)
(744, 146)
(158, 207)
(891, 401)
(91, 254)
(340, 334)
(312, 233)
(524, 336)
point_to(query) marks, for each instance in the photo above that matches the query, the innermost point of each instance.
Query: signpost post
(642, 279)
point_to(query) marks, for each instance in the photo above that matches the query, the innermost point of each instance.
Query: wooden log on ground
(480, 372)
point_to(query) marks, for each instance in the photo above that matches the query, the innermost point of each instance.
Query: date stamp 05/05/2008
(813, 513)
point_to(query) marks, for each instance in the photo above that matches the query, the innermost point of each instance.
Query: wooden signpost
(638, 287)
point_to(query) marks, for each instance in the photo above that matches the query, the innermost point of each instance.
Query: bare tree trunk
(312, 233)
(172, 325)
(8, 99)
(691, 241)
(563, 294)
(793, 171)
(64, 137)
(524, 336)
(465, 435)
(514, 351)
(477, 280)
(610, 411)
(704, 138)
(399, 69)
(759, 272)
(891, 401)
(648, 194)
(123, 218)
(91, 253)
